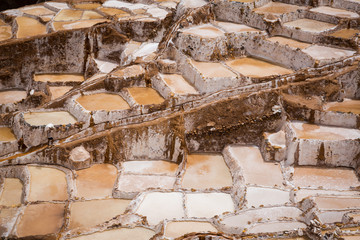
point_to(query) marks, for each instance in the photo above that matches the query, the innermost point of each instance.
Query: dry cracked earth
(180, 119)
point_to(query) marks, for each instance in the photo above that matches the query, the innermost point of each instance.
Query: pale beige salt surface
(57, 92)
(5, 32)
(276, 227)
(233, 27)
(341, 13)
(150, 167)
(337, 202)
(347, 106)
(257, 197)
(320, 132)
(47, 184)
(303, 193)
(158, 206)
(44, 118)
(91, 15)
(28, 27)
(178, 84)
(12, 96)
(88, 214)
(206, 171)
(205, 31)
(145, 95)
(289, 42)
(131, 71)
(177, 229)
(96, 181)
(87, 6)
(139, 183)
(276, 139)
(77, 24)
(327, 178)
(58, 78)
(323, 53)
(11, 192)
(309, 25)
(68, 15)
(345, 33)
(137, 233)
(103, 101)
(212, 69)
(36, 10)
(207, 205)
(248, 217)
(357, 237)
(277, 8)
(255, 170)
(41, 219)
(252, 67)
(6, 135)
(7, 220)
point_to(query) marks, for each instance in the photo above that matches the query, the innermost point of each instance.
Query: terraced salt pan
(254, 169)
(233, 27)
(145, 95)
(276, 139)
(325, 178)
(345, 33)
(6, 135)
(45, 118)
(41, 219)
(68, 15)
(47, 184)
(276, 227)
(12, 96)
(206, 171)
(91, 15)
(96, 182)
(177, 229)
(207, 205)
(86, 214)
(341, 13)
(158, 206)
(37, 10)
(57, 92)
(304, 193)
(58, 78)
(28, 27)
(256, 197)
(150, 167)
(277, 8)
(289, 42)
(87, 6)
(103, 101)
(144, 182)
(8, 217)
(11, 192)
(327, 53)
(77, 24)
(346, 106)
(252, 67)
(309, 25)
(320, 132)
(113, 11)
(137, 233)
(337, 203)
(212, 69)
(204, 31)
(5, 32)
(178, 84)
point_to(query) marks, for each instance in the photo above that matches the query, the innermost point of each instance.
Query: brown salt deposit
(37, 10)
(252, 67)
(12, 96)
(28, 27)
(11, 192)
(204, 31)
(58, 78)
(145, 95)
(68, 15)
(91, 15)
(57, 92)
(212, 69)
(44, 118)
(277, 8)
(5, 32)
(77, 24)
(309, 25)
(347, 106)
(96, 181)
(289, 42)
(345, 33)
(6, 135)
(178, 84)
(327, 178)
(137, 233)
(103, 101)
(150, 167)
(206, 171)
(41, 219)
(86, 214)
(87, 6)
(178, 229)
(54, 188)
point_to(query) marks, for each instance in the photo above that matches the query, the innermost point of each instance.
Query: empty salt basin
(8, 141)
(28, 27)
(12, 96)
(177, 229)
(137, 233)
(57, 92)
(345, 33)
(45, 118)
(204, 31)
(346, 106)
(6, 135)
(251, 67)
(309, 25)
(145, 95)
(11, 194)
(59, 78)
(5, 32)
(103, 101)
